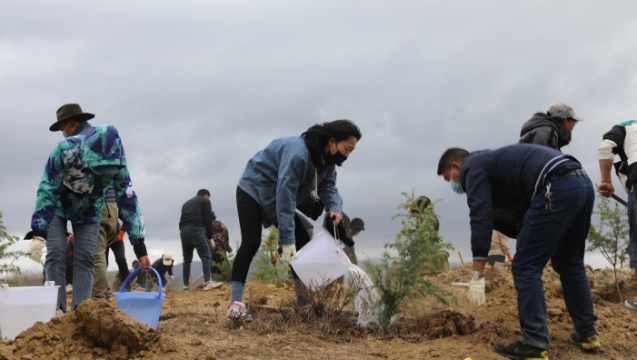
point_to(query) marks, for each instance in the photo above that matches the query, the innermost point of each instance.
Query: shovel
(619, 200)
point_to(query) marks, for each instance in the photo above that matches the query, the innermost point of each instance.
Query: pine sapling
(611, 236)
(418, 248)
(267, 266)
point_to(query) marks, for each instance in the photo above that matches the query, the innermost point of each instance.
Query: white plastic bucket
(321, 261)
(21, 307)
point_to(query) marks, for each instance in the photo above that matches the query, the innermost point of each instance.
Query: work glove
(35, 249)
(288, 252)
(231, 254)
(212, 244)
(476, 290)
(510, 257)
(171, 277)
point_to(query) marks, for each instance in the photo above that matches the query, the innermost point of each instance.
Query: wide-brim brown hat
(70, 112)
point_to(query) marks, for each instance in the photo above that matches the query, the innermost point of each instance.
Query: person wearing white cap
(552, 129)
(163, 265)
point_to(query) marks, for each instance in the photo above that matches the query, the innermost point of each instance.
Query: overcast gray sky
(196, 88)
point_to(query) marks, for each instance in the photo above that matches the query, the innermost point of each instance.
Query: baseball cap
(167, 259)
(357, 224)
(563, 111)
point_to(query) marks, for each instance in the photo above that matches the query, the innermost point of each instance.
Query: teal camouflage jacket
(73, 183)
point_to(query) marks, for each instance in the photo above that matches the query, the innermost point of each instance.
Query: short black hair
(203, 192)
(449, 156)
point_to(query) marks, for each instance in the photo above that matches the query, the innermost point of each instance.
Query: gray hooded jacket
(542, 129)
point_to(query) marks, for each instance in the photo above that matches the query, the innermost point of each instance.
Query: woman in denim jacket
(275, 181)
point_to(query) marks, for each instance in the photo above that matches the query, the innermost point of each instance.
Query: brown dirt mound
(435, 326)
(95, 330)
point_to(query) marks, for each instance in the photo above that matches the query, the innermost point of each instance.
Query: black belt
(576, 172)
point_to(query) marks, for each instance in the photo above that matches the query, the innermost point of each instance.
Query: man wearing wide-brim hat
(74, 189)
(70, 114)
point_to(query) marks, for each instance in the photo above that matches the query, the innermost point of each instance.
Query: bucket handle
(130, 276)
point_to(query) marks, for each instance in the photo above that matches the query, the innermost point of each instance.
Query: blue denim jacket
(280, 177)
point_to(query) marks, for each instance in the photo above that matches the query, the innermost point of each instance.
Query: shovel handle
(619, 200)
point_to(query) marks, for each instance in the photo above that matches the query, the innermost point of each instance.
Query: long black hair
(317, 137)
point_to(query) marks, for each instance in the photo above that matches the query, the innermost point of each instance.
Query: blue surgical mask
(455, 186)
(64, 131)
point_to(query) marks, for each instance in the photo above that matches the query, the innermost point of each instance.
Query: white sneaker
(237, 310)
(209, 285)
(69, 288)
(59, 313)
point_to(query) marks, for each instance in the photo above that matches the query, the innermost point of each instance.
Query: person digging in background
(219, 248)
(197, 216)
(556, 197)
(72, 190)
(356, 225)
(345, 234)
(163, 265)
(499, 251)
(415, 208)
(139, 281)
(620, 140)
(117, 245)
(291, 172)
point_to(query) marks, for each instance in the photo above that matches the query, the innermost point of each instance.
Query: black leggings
(120, 258)
(250, 222)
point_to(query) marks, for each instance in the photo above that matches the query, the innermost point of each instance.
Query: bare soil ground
(193, 326)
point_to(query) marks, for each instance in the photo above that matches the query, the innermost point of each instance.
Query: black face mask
(336, 159)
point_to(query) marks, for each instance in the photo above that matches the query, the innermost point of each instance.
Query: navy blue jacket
(506, 178)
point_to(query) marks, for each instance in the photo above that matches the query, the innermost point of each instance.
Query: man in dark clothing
(163, 266)
(139, 278)
(197, 214)
(556, 199)
(117, 246)
(552, 129)
(343, 233)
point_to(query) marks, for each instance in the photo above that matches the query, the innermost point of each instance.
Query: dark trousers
(250, 222)
(120, 258)
(193, 238)
(492, 259)
(217, 260)
(558, 235)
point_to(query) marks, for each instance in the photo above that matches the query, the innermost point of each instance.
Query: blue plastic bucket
(141, 306)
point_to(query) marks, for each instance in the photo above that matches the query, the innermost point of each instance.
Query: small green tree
(6, 241)
(396, 276)
(224, 270)
(267, 266)
(611, 236)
